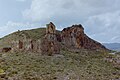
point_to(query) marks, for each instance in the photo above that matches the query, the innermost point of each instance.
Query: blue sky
(100, 18)
(10, 10)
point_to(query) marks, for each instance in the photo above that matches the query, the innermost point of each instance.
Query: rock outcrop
(51, 29)
(49, 44)
(53, 42)
(74, 37)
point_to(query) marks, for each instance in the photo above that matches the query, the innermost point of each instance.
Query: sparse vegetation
(68, 65)
(84, 65)
(29, 34)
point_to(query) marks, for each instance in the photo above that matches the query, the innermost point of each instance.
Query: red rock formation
(53, 41)
(50, 28)
(49, 44)
(74, 37)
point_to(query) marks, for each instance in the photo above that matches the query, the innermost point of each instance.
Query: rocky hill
(76, 56)
(49, 40)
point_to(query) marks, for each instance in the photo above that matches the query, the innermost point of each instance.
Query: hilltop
(33, 34)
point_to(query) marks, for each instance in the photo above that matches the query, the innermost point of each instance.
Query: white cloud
(46, 10)
(100, 17)
(21, 0)
(14, 26)
(104, 27)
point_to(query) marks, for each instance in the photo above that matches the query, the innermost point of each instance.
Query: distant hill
(112, 46)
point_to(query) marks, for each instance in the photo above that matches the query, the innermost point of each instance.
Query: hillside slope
(49, 40)
(29, 34)
(79, 57)
(83, 65)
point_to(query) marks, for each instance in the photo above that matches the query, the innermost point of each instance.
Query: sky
(100, 18)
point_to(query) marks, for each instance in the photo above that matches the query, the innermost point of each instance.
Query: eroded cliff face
(28, 45)
(74, 37)
(52, 43)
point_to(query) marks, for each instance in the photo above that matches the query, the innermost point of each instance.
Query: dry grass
(84, 65)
